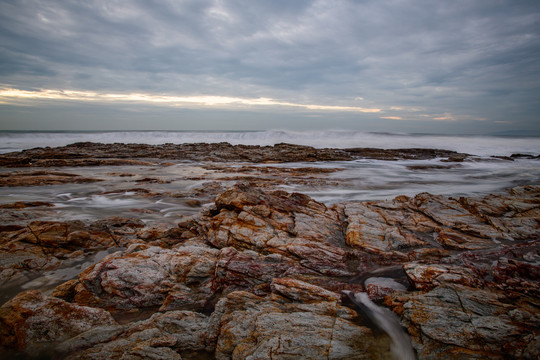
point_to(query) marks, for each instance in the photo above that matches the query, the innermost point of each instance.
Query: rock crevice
(261, 274)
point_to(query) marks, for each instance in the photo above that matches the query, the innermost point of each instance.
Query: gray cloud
(472, 59)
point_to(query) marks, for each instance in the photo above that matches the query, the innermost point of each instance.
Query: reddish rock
(391, 227)
(301, 291)
(32, 322)
(25, 204)
(456, 322)
(170, 335)
(35, 178)
(266, 268)
(27, 251)
(264, 328)
(377, 288)
(292, 225)
(148, 276)
(248, 270)
(427, 277)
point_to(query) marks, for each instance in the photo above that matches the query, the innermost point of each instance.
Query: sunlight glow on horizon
(14, 96)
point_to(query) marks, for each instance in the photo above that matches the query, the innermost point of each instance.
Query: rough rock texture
(163, 336)
(149, 277)
(34, 178)
(456, 321)
(292, 225)
(46, 245)
(95, 154)
(258, 328)
(260, 275)
(435, 222)
(34, 323)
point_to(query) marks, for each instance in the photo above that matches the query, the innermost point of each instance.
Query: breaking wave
(476, 145)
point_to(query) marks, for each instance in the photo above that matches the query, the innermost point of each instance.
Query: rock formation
(261, 274)
(96, 154)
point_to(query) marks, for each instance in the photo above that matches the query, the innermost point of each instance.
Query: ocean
(364, 179)
(476, 145)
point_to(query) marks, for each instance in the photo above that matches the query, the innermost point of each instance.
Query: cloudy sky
(463, 66)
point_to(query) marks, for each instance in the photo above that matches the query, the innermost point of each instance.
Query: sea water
(363, 179)
(475, 145)
(388, 322)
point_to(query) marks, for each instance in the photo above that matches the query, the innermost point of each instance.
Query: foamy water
(363, 179)
(476, 145)
(388, 322)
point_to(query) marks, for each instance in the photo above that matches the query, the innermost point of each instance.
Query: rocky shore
(96, 154)
(261, 273)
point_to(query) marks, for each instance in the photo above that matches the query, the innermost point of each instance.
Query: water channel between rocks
(162, 194)
(167, 192)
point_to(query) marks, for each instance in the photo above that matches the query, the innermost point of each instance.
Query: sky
(432, 66)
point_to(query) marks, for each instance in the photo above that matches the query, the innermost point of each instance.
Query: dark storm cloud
(417, 60)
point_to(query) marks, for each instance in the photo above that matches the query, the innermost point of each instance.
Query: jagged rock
(385, 228)
(248, 270)
(163, 336)
(32, 323)
(258, 328)
(259, 275)
(402, 225)
(513, 268)
(149, 276)
(301, 291)
(451, 214)
(456, 322)
(47, 245)
(426, 277)
(95, 154)
(377, 288)
(282, 223)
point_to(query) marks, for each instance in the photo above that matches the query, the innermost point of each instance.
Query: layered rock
(442, 224)
(457, 321)
(26, 252)
(258, 328)
(170, 335)
(33, 178)
(95, 154)
(148, 277)
(260, 275)
(33, 323)
(292, 225)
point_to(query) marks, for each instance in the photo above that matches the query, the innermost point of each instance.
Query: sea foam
(475, 145)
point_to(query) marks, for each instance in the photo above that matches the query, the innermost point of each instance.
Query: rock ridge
(261, 274)
(97, 154)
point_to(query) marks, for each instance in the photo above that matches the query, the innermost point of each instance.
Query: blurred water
(475, 145)
(173, 195)
(379, 180)
(181, 188)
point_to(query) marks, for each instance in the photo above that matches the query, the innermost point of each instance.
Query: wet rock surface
(39, 178)
(28, 253)
(96, 154)
(34, 323)
(260, 274)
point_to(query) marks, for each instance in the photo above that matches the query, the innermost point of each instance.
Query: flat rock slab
(96, 154)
